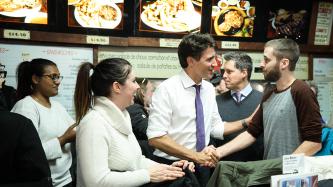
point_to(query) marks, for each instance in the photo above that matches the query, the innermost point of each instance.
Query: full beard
(273, 75)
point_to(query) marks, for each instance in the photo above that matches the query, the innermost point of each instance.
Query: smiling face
(234, 78)
(128, 90)
(44, 84)
(203, 68)
(270, 66)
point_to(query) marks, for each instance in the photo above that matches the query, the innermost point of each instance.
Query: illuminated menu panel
(232, 18)
(103, 14)
(177, 16)
(289, 19)
(24, 11)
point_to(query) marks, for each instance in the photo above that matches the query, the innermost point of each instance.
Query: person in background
(139, 113)
(219, 83)
(289, 115)
(38, 81)
(7, 93)
(184, 114)
(108, 153)
(239, 102)
(22, 158)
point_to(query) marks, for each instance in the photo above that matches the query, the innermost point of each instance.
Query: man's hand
(207, 157)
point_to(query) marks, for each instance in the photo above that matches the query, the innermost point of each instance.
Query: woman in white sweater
(107, 151)
(38, 81)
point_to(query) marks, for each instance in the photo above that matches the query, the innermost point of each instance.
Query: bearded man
(289, 115)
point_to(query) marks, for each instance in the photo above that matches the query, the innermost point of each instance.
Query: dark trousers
(201, 173)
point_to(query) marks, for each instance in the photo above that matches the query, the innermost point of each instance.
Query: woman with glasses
(38, 81)
(108, 153)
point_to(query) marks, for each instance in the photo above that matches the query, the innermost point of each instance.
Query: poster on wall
(233, 18)
(68, 59)
(24, 11)
(323, 76)
(169, 17)
(101, 14)
(285, 21)
(157, 63)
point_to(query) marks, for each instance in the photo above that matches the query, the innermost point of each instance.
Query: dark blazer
(7, 98)
(22, 157)
(139, 119)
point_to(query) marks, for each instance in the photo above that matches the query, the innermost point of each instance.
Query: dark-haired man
(184, 112)
(239, 102)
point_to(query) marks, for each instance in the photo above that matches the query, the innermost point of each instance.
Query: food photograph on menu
(284, 22)
(232, 18)
(170, 16)
(24, 11)
(102, 14)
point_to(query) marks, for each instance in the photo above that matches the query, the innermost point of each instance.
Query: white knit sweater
(108, 153)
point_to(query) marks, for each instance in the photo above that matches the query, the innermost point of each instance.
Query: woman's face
(48, 83)
(149, 93)
(128, 90)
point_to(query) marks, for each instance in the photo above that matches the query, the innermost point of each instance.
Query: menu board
(301, 69)
(323, 75)
(232, 18)
(24, 11)
(177, 16)
(324, 23)
(102, 14)
(68, 59)
(285, 21)
(146, 62)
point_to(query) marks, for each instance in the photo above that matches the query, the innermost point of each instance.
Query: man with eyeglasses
(7, 93)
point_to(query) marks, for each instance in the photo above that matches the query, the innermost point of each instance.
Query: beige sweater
(108, 153)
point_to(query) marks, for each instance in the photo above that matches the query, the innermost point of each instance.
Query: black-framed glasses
(3, 74)
(54, 77)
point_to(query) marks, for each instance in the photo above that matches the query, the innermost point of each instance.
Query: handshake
(209, 156)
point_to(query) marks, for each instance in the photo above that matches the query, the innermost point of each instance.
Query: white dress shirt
(173, 112)
(244, 92)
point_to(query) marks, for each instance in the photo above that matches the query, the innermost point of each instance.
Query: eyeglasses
(54, 77)
(3, 74)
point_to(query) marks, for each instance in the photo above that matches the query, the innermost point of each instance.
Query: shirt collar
(186, 80)
(245, 91)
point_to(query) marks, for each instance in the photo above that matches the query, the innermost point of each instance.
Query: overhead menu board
(67, 59)
(301, 70)
(24, 11)
(289, 19)
(101, 14)
(169, 17)
(233, 18)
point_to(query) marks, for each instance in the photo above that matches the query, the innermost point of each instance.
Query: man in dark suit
(22, 158)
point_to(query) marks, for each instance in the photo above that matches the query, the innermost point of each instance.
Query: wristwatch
(244, 124)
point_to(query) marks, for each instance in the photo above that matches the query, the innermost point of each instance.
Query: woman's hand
(184, 164)
(163, 172)
(68, 136)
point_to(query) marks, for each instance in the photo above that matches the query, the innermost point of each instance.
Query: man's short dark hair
(242, 61)
(193, 45)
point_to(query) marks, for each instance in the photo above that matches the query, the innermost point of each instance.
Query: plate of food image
(233, 21)
(97, 14)
(19, 8)
(175, 16)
